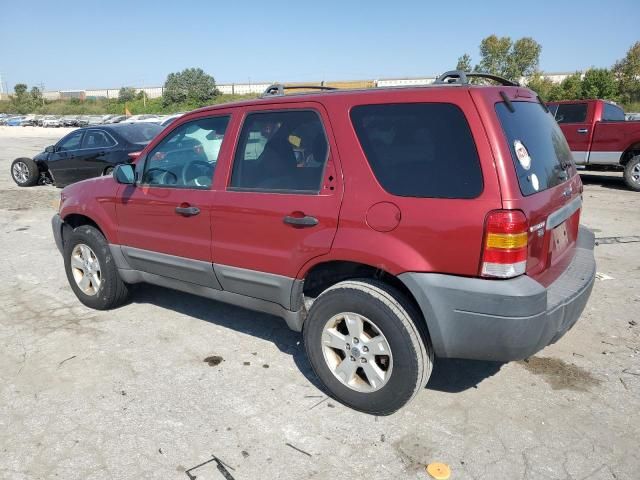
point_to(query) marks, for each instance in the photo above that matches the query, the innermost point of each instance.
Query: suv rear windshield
(419, 149)
(543, 162)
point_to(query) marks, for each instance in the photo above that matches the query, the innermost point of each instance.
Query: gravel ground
(128, 393)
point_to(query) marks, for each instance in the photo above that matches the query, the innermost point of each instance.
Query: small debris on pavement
(266, 365)
(244, 453)
(66, 360)
(633, 323)
(439, 471)
(603, 276)
(246, 363)
(298, 449)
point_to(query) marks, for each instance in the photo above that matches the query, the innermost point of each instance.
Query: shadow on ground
(449, 375)
(615, 182)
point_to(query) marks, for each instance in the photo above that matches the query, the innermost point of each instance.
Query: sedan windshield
(139, 132)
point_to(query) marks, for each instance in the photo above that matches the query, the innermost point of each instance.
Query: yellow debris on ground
(439, 471)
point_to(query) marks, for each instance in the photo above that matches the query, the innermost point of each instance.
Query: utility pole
(42, 92)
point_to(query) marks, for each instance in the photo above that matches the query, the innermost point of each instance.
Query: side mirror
(124, 174)
(50, 149)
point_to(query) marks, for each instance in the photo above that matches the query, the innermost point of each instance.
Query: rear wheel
(24, 172)
(632, 173)
(91, 270)
(363, 341)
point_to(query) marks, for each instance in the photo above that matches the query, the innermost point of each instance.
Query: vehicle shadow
(449, 375)
(615, 182)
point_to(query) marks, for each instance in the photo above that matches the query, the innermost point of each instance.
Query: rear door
(97, 145)
(164, 220)
(574, 120)
(280, 203)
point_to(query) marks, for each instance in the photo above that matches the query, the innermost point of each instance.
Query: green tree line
(183, 91)
(520, 59)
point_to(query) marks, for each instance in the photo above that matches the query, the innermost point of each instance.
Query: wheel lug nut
(355, 340)
(348, 346)
(363, 360)
(365, 349)
(353, 359)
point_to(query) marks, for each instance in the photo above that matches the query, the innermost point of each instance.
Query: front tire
(24, 172)
(91, 270)
(364, 343)
(632, 174)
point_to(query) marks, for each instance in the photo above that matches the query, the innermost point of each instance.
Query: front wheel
(365, 345)
(91, 270)
(24, 172)
(632, 173)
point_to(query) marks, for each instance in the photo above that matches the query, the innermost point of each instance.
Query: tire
(632, 174)
(395, 318)
(111, 291)
(25, 172)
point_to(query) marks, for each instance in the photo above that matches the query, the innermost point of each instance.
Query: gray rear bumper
(503, 320)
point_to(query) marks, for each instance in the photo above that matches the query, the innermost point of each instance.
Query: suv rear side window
(420, 149)
(571, 113)
(284, 150)
(546, 152)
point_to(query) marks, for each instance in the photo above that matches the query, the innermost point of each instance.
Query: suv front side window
(281, 151)
(187, 157)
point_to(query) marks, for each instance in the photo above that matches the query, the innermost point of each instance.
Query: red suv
(388, 225)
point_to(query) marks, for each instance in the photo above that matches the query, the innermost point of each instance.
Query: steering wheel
(160, 176)
(192, 173)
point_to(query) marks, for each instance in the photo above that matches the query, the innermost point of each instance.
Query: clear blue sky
(111, 43)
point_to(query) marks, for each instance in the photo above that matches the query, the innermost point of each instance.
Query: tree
(542, 85)
(513, 60)
(599, 83)
(36, 94)
(126, 94)
(20, 90)
(464, 63)
(191, 85)
(571, 87)
(627, 73)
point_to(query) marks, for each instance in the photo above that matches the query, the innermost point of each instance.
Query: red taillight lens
(504, 252)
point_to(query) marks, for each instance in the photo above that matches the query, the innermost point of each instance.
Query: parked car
(600, 138)
(14, 121)
(633, 117)
(142, 118)
(29, 121)
(116, 119)
(169, 119)
(70, 121)
(84, 153)
(390, 226)
(51, 121)
(95, 120)
(82, 121)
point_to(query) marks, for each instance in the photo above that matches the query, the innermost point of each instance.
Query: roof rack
(462, 78)
(279, 88)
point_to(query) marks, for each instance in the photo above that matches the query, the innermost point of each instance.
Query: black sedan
(84, 153)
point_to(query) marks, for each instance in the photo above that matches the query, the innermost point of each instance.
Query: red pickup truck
(600, 138)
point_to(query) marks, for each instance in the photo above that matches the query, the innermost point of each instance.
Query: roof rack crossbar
(460, 77)
(279, 88)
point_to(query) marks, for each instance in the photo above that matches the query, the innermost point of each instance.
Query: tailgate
(538, 176)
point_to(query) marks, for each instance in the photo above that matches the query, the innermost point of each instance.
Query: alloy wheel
(86, 269)
(20, 172)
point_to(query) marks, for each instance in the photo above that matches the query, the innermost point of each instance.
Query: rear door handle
(187, 211)
(301, 222)
(583, 130)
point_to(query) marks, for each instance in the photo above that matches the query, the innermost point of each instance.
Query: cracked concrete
(127, 393)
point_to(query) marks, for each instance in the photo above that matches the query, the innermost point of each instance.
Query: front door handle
(583, 130)
(187, 211)
(301, 222)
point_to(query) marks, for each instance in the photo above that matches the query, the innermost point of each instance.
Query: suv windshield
(538, 148)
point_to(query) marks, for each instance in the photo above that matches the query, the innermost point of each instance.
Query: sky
(109, 44)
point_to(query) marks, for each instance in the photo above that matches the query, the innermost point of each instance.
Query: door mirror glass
(124, 174)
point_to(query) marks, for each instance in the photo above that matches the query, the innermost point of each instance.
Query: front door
(63, 162)
(96, 148)
(164, 220)
(280, 207)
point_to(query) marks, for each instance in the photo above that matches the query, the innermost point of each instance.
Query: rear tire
(25, 172)
(632, 174)
(375, 383)
(86, 251)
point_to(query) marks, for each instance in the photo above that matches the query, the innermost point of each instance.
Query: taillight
(504, 252)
